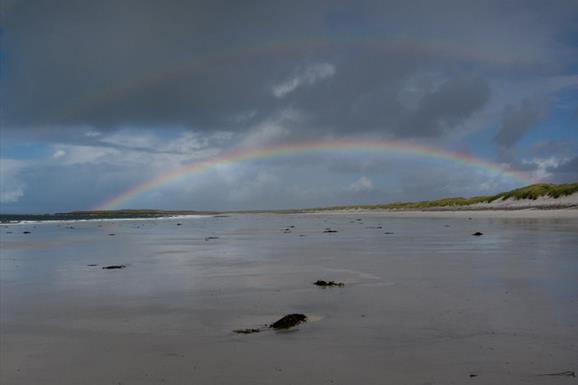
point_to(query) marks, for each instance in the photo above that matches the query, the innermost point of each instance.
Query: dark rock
(26, 232)
(374, 227)
(111, 267)
(111, 234)
(292, 227)
(477, 234)
(247, 331)
(389, 232)
(289, 321)
(179, 224)
(210, 238)
(92, 264)
(329, 230)
(328, 283)
(473, 375)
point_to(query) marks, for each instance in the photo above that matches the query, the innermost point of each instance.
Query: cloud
(103, 95)
(565, 171)
(563, 148)
(307, 77)
(58, 154)
(518, 120)
(12, 186)
(446, 107)
(271, 130)
(542, 166)
(207, 66)
(361, 185)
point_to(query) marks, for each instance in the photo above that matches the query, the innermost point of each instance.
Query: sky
(98, 97)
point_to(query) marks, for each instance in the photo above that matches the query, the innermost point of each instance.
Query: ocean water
(424, 301)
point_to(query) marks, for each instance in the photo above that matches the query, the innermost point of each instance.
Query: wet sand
(428, 304)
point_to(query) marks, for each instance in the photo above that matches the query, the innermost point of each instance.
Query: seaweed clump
(289, 321)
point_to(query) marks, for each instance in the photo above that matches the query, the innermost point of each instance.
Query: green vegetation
(533, 192)
(529, 192)
(538, 190)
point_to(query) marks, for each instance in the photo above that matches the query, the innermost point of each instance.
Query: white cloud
(58, 154)
(76, 154)
(306, 77)
(363, 184)
(11, 185)
(92, 134)
(272, 130)
(130, 138)
(543, 164)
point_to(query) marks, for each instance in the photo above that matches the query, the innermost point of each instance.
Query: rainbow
(311, 147)
(201, 60)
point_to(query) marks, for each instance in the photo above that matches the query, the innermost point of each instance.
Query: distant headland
(536, 196)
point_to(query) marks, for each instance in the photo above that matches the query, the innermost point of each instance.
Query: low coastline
(542, 207)
(462, 213)
(540, 200)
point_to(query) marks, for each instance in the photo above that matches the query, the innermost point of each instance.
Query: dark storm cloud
(518, 120)
(566, 172)
(447, 107)
(208, 65)
(563, 148)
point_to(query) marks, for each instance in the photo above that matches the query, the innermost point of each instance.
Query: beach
(424, 301)
(525, 213)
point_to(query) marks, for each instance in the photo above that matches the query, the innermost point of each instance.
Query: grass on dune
(532, 192)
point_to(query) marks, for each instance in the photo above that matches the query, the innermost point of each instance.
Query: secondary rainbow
(311, 147)
(124, 89)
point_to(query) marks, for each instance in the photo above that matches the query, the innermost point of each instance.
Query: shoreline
(569, 212)
(89, 220)
(441, 212)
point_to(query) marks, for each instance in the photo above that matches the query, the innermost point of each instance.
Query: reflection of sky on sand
(254, 252)
(428, 284)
